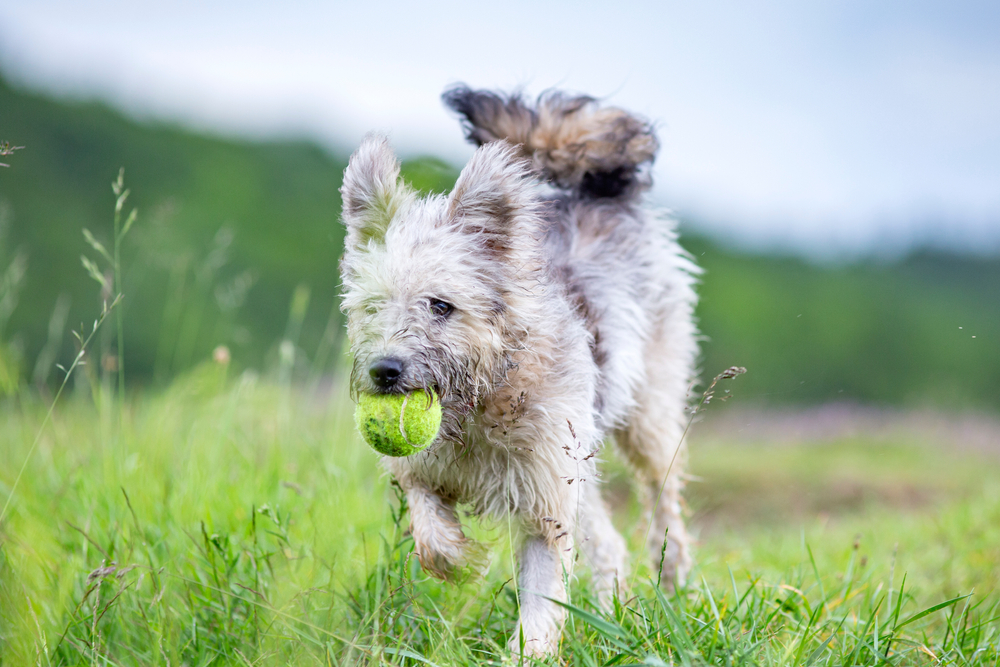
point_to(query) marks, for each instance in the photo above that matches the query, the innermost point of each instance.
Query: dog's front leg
(437, 533)
(545, 565)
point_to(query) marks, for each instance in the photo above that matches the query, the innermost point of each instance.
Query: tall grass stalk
(121, 195)
(115, 290)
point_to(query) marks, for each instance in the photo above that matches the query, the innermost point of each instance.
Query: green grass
(247, 524)
(218, 517)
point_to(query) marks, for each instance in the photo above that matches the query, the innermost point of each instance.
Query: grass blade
(931, 610)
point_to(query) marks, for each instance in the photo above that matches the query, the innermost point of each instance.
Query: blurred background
(835, 168)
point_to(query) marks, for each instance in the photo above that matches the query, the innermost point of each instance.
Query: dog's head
(431, 285)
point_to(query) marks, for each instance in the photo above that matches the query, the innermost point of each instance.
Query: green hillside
(921, 331)
(227, 230)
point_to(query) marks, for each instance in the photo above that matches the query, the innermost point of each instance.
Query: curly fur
(571, 322)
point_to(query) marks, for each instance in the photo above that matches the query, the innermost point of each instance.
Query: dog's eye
(440, 308)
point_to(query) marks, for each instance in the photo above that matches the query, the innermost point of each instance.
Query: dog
(550, 311)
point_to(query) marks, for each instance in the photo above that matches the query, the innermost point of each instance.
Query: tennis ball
(399, 424)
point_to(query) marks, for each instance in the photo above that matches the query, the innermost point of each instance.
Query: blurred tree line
(237, 244)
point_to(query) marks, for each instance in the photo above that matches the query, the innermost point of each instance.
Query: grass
(233, 519)
(238, 520)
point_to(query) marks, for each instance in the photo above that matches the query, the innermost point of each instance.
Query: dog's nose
(386, 371)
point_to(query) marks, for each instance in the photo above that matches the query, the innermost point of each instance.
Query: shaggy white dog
(549, 311)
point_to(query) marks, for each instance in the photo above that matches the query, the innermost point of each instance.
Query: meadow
(223, 510)
(238, 519)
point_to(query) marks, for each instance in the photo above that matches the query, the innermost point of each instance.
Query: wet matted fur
(550, 311)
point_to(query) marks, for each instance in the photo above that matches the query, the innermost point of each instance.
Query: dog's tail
(578, 146)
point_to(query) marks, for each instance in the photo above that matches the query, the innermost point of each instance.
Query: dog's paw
(608, 588)
(448, 555)
(532, 647)
(437, 564)
(443, 566)
(471, 560)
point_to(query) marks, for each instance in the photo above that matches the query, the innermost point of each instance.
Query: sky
(828, 128)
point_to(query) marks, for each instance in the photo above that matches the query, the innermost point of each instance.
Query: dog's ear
(493, 194)
(372, 192)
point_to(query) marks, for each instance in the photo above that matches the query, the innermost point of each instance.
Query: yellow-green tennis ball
(399, 424)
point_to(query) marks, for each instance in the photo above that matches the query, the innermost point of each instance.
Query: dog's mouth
(382, 391)
(399, 389)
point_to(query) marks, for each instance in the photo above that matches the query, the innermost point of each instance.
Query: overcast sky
(828, 127)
